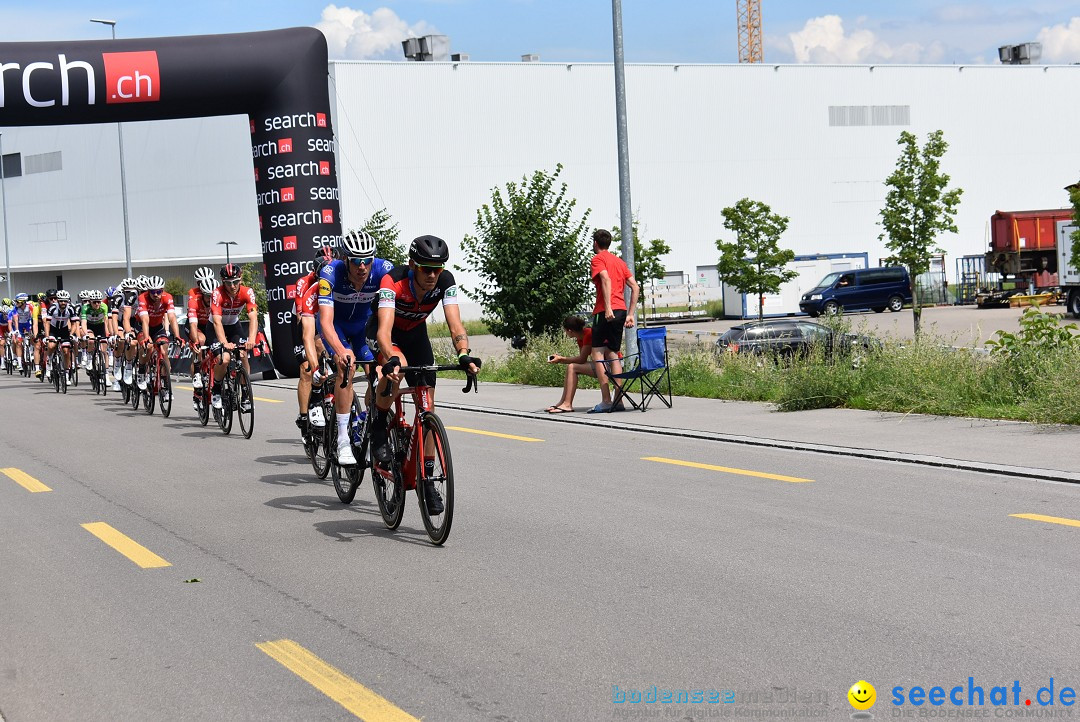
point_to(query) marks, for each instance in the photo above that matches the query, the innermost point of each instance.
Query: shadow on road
(297, 441)
(295, 478)
(283, 459)
(349, 529)
(310, 504)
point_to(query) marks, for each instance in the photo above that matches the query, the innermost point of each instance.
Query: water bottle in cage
(356, 428)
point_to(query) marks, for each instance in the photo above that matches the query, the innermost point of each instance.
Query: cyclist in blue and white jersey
(21, 319)
(346, 291)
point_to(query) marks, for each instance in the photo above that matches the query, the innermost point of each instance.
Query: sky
(660, 31)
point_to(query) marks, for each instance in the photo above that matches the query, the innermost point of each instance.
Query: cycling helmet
(128, 284)
(155, 283)
(207, 285)
(204, 273)
(82, 295)
(95, 295)
(358, 244)
(63, 296)
(7, 302)
(41, 296)
(21, 297)
(230, 272)
(110, 291)
(430, 250)
(322, 256)
(51, 293)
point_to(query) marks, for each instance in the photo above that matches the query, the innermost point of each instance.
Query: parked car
(859, 289)
(785, 338)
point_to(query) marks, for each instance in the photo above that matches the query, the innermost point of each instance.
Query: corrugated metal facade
(429, 141)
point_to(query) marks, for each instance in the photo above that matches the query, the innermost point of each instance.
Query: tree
(647, 264)
(251, 276)
(386, 234)
(754, 262)
(918, 208)
(532, 257)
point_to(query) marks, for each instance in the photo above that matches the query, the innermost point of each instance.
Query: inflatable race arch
(277, 78)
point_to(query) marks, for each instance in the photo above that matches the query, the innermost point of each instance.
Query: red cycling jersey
(396, 292)
(156, 312)
(228, 307)
(307, 295)
(198, 309)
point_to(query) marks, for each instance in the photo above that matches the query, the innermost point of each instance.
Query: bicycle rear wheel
(242, 395)
(225, 419)
(318, 444)
(202, 404)
(388, 484)
(150, 395)
(441, 477)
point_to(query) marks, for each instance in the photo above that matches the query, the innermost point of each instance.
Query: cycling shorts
(352, 337)
(98, 329)
(233, 332)
(156, 332)
(62, 334)
(412, 345)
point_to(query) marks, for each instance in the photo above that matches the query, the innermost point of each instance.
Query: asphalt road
(577, 570)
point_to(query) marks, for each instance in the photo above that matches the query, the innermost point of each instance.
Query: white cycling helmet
(204, 273)
(207, 285)
(63, 295)
(155, 283)
(95, 295)
(128, 284)
(83, 295)
(142, 283)
(358, 244)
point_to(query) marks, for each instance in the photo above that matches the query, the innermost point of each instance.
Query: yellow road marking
(257, 398)
(126, 545)
(492, 433)
(25, 480)
(347, 692)
(1048, 519)
(727, 469)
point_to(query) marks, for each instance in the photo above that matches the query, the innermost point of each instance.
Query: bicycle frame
(424, 404)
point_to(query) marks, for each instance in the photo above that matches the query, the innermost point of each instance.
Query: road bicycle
(97, 370)
(314, 432)
(201, 396)
(409, 450)
(59, 372)
(27, 357)
(347, 479)
(158, 380)
(9, 355)
(236, 394)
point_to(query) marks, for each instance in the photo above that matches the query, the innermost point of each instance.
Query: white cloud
(358, 35)
(824, 40)
(1061, 43)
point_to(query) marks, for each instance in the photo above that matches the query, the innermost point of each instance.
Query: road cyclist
(229, 299)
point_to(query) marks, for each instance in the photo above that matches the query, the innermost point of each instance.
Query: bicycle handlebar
(471, 383)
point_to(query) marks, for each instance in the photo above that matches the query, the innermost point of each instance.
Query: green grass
(927, 378)
(439, 329)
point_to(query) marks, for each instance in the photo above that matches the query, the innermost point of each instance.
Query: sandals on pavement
(558, 410)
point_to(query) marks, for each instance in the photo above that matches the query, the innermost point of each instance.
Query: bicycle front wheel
(165, 393)
(225, 415)
(150, 395)
(388, 483)
(438, 482)
(245, 403)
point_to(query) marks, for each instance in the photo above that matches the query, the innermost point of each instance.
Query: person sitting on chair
(575, 328)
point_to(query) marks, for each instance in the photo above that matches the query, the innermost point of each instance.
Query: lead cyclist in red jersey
(229, 299)
(407, 296)
(155, 307)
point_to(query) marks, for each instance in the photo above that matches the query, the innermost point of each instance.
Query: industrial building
(429, 141)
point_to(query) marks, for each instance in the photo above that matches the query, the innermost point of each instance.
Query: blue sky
(667, 31)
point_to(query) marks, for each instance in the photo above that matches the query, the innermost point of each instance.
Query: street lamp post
(7, 239)
(123, 174)
(626, 217)
(227, 244)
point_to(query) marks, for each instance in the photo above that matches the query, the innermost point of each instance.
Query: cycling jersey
(94, 317)
(198, 307)
(307, 296)
(130, 302)
(60, 317)
(352, 306)
(397, 292)
(22, 318)
(156, 312)
(228, 307)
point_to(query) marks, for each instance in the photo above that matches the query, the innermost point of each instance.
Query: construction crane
(749, 16)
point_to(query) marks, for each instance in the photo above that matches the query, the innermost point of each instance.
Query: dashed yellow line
(25, 480)
(257, 398)
(347, 692)
(728, 470)
(1048, 519)
(492, 433)
(126, 545)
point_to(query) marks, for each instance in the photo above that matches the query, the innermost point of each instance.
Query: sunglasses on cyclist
(362, 261)
(156, 291)
(430, 269)
(232, 282)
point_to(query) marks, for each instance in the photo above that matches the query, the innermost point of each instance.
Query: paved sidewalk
(1007, 447)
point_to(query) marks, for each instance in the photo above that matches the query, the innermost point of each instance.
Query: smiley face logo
(862, 695)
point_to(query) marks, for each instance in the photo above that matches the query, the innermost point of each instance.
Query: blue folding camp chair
(649, 372)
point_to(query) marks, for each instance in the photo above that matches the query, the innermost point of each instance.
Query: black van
(859, 289)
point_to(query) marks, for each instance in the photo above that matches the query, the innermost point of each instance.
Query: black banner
(277, 78)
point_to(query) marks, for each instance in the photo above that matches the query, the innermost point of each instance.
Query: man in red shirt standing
(610, 275)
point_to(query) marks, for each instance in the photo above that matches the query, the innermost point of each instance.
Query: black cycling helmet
(429, 250)
(230, 272)
(322, 256)
(50, 294)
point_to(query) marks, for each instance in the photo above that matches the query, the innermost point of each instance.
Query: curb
(1018, 472)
